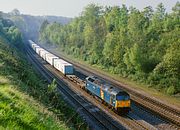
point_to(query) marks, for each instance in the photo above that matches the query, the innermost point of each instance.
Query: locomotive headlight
(123, 103)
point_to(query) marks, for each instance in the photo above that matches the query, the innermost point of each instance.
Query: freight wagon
(61, 65)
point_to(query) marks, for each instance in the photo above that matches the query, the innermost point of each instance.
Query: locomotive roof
(105, 86)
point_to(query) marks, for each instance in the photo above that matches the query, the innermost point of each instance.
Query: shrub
(171, 90)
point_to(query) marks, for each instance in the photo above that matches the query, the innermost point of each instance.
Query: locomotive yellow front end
(123, 103)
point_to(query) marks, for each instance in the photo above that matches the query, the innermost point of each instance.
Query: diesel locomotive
(118, 99)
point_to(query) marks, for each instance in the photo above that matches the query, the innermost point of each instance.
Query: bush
(171, 90)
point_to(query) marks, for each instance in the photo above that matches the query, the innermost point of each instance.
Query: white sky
(73, 8)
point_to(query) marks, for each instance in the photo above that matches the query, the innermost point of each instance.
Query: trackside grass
(19, 111)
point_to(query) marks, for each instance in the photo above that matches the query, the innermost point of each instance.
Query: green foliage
(18, 111)
(11, 32)
(108, 53)
(171, 90)
(17, 79)
(52, 86)
(140, 45)
(26, 101)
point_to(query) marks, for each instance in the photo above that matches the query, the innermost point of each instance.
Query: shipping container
(43, 53)
(63, 66)
(38, 50)
(50, 58)
(34, 46)
(31, 43)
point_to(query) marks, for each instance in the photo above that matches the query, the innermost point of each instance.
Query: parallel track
(164, 111)
(168, 113)
(94, 114)
(129, 122)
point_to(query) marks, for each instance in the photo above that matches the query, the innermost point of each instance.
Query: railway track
(91, 113)
(152, 118)
(129, 121)
(168, 113)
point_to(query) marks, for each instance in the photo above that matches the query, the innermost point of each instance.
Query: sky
(73, 8)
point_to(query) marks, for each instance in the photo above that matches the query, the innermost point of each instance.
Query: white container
(63, 66)
(33, 46)
(31, 43)
(38, 50)
(43, 53)
(50, 58)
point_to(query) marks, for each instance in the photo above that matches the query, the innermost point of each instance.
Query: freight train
(114, 97)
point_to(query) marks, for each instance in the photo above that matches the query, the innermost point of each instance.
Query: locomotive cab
(123, 103)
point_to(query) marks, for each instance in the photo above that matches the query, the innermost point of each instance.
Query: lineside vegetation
(27, 102)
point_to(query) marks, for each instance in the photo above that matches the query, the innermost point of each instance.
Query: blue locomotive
(114, 97)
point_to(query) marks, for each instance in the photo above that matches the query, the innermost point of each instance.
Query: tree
(169, 69)
(136, 24)
(176, 9)
(43, 26)
(158, 18)
(91, 14)
(108, 49)
(129, 42)
(15, 12)
(171, 61)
